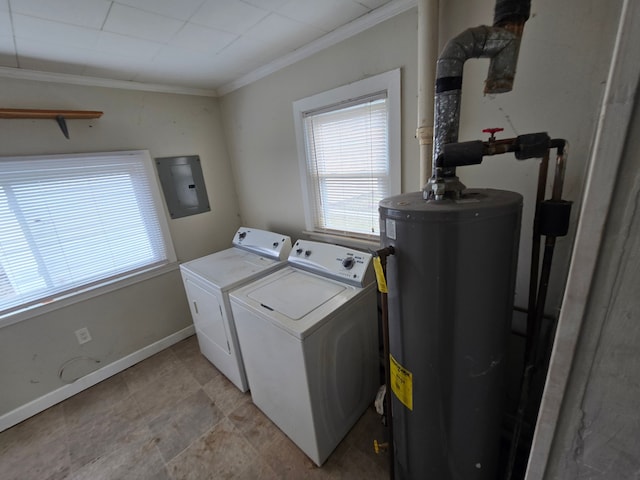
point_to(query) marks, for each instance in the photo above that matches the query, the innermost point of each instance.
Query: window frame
(388, 82)
(124, 279)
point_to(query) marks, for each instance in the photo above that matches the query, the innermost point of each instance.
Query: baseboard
(50, 399)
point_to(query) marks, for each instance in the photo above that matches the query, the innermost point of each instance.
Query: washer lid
(295, 295)
(292, 292)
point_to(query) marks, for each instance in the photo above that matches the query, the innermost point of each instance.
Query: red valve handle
(492, 131)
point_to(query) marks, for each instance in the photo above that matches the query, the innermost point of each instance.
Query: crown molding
(68, 79)
(371, 19)
(338, 35)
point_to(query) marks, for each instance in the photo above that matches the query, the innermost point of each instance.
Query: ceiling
(207, 46)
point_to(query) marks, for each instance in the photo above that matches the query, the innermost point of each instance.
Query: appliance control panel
(342, 263)
(262, 242)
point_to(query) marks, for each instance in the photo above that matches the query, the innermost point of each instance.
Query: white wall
(561, 73)
(129, 319)
(258, 119)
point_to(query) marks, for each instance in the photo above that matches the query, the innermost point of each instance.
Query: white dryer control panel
(262, 242)
(333, 261)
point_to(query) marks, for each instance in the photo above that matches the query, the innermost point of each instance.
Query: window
(349, 151)
(72, 222)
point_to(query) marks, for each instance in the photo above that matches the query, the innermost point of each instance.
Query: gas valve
(493, 132)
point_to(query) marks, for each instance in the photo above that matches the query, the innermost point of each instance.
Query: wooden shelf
(59, 116)
(50, 114)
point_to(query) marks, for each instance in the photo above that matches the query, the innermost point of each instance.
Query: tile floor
(173, 417)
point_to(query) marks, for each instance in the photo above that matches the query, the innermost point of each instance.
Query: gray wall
(598, 433)
(561, 73)
(125, 320)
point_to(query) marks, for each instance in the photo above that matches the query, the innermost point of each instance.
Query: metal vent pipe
(500, 43)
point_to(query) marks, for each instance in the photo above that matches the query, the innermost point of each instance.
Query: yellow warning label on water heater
(401, 382)
(377, 267)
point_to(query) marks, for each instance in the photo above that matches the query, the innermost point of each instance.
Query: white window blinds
(347, 164)
(68, 223)
(348, 142)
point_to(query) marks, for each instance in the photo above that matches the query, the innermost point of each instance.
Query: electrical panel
(183, 185)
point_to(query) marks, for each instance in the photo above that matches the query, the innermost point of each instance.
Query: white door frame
(604, 163)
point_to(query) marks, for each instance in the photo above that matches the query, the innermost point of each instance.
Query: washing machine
(309, 339)
(207, 282)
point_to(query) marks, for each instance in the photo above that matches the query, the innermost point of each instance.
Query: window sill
(90, 292)
(359, 243)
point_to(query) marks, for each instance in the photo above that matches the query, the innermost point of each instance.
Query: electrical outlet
(83, 335)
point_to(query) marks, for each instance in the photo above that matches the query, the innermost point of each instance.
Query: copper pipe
(384, 312)
(533, 353)
(535, 253)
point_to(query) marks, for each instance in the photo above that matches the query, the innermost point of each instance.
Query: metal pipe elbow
(477, 42)
(502, 68)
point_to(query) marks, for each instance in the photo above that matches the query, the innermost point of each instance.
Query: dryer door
(206, 310)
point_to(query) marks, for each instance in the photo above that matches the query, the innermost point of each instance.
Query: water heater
(451, 288)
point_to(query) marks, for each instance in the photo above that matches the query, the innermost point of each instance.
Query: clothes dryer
(209, 279)
(309, 337)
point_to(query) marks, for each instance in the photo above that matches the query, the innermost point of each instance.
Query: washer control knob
(307, 253)
(348, 263)
(241, 235)
(275, 244)
(299, 251)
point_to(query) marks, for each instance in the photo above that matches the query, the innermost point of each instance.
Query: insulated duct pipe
(428, 24)
(500, 43)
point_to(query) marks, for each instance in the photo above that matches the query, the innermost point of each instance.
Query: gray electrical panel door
(183, 185)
